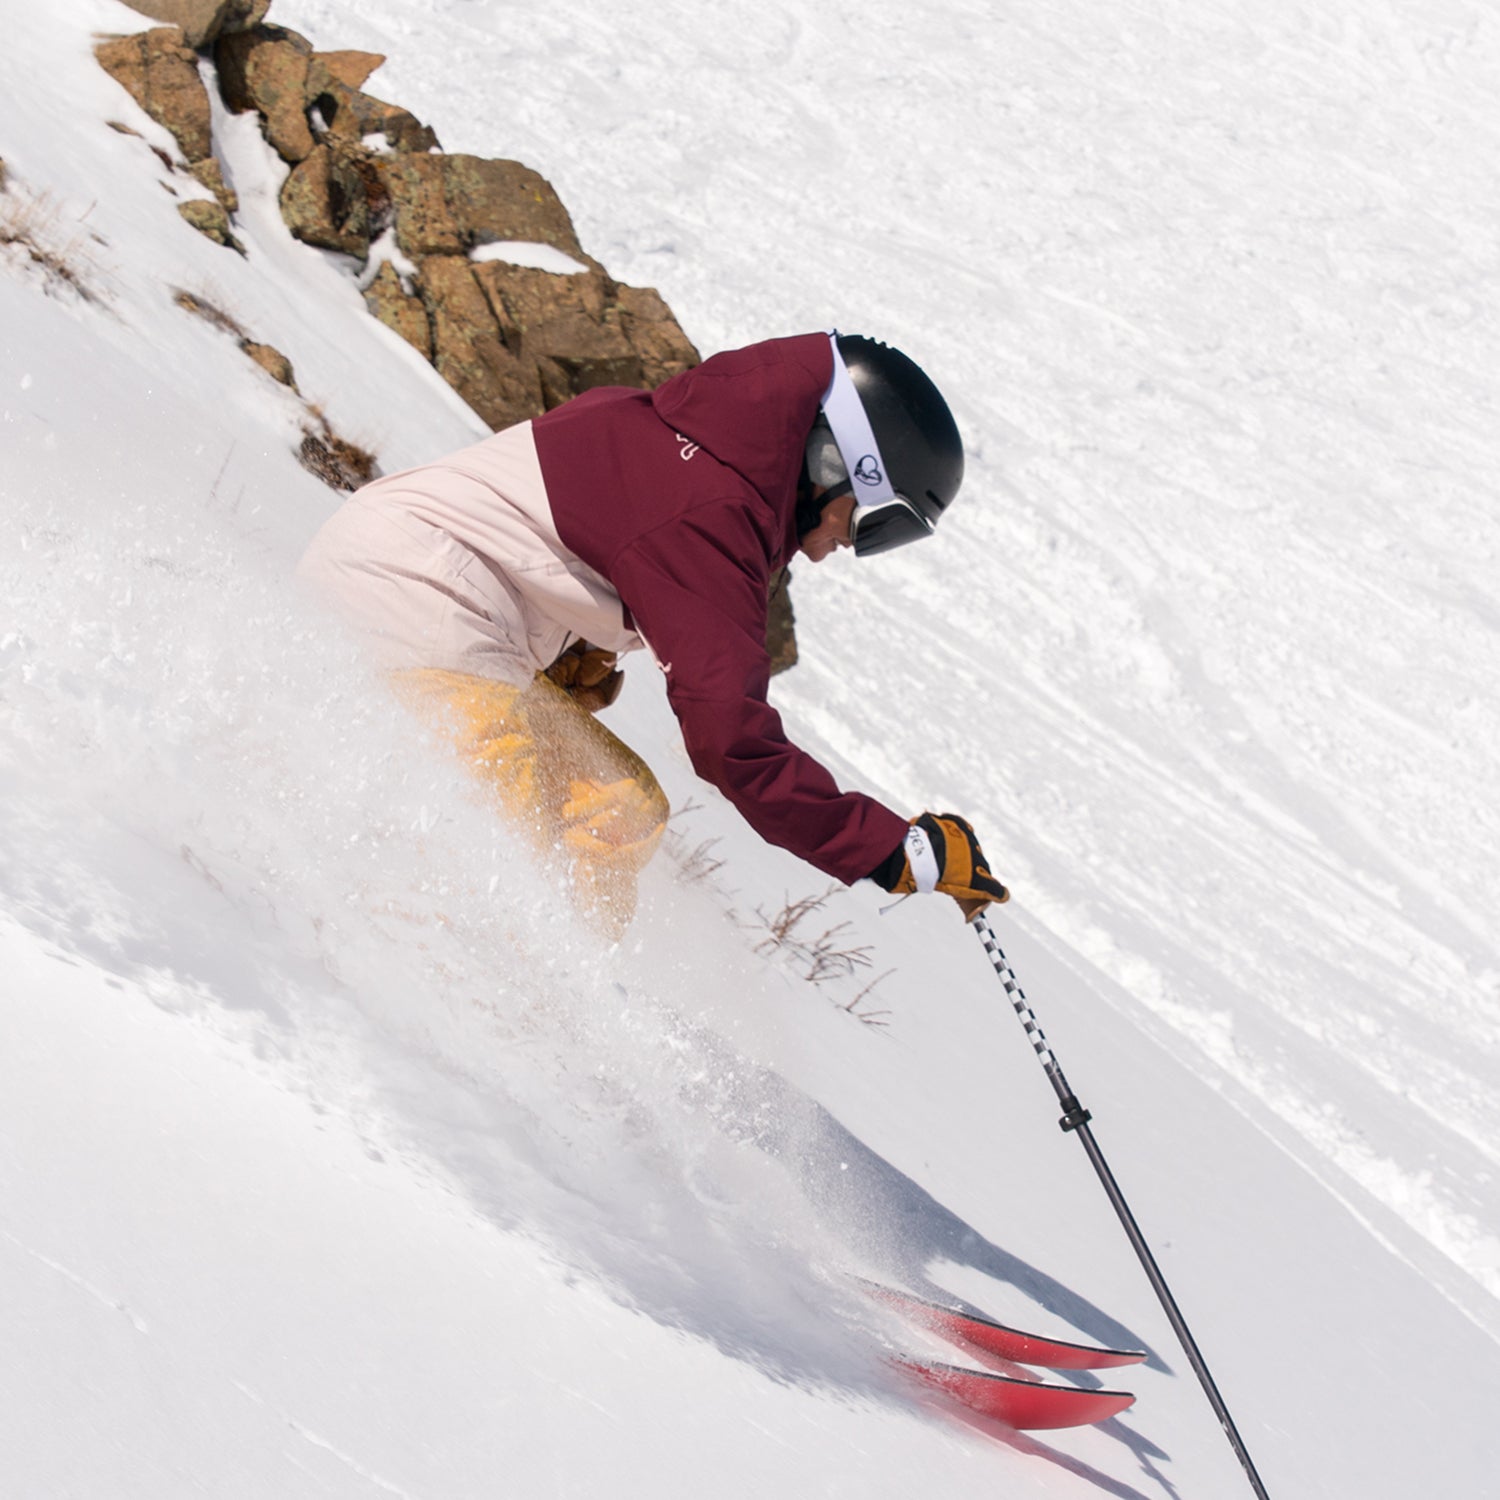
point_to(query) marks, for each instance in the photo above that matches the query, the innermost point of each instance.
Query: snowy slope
(334, 1159)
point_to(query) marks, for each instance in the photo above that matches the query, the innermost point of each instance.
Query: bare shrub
(824, 958)
(696, 863)
(34, 228)
(340, 464)
(857, 1008)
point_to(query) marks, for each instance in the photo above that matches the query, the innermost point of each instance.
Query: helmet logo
(867, 470)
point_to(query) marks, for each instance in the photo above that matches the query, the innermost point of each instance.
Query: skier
(502, 583)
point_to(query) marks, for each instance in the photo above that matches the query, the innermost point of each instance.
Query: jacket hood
(752, 409)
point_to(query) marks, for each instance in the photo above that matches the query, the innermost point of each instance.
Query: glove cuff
(887, 874)
(922, 857)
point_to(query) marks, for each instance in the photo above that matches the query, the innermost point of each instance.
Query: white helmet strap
(850, 424)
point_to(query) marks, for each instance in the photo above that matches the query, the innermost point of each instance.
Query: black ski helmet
(898, 446)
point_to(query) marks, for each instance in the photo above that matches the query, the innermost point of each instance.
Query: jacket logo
(689, 447)
(867, 470)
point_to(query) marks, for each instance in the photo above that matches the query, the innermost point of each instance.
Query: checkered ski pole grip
(1074, 1114)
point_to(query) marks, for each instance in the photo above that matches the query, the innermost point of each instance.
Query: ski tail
(1030, 1406)
(984, 1336)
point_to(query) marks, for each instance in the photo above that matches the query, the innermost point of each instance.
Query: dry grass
(696, 865)
(211, 313)
(824, 957)
(36, 232)
(861, 1012)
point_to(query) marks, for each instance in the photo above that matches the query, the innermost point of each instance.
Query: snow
(335, 1159)
(529, 253)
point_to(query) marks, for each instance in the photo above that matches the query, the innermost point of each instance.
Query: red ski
(985, 1337)
(1025, 1404)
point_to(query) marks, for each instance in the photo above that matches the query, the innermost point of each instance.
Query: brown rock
(348, 115)
(199, 20)
(161, 74)
(468, 351)
(524, 298)
(390, 302)
(242, 15)
(502, 200)
(265, 69)
(557, 382)
(352, 69)
(209, 219)
(781, 624)
(424, 222)
(565, 324)
(211, 175)
(272, 361)
(446, 205)
(202, 21)
(585, 330)
(323, 203)
(655, 335)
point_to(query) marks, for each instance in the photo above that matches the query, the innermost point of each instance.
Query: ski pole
(1076, 1118)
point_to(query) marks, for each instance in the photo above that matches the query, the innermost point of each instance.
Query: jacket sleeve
(702, 609)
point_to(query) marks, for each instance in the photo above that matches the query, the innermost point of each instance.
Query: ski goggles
(891, 523)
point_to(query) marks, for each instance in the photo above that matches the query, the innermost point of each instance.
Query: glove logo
(867, 470)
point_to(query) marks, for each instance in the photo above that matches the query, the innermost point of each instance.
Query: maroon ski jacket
(684, 499)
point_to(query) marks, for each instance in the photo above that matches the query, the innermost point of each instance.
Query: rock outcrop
(369, 180)
(265, 68)
(511, 339)
(160, 72)
(399, 310)
(324, 203)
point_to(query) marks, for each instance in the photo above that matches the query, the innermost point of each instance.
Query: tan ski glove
(588, 675)
(941, 853)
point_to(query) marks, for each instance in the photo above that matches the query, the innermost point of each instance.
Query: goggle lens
(893, 523)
